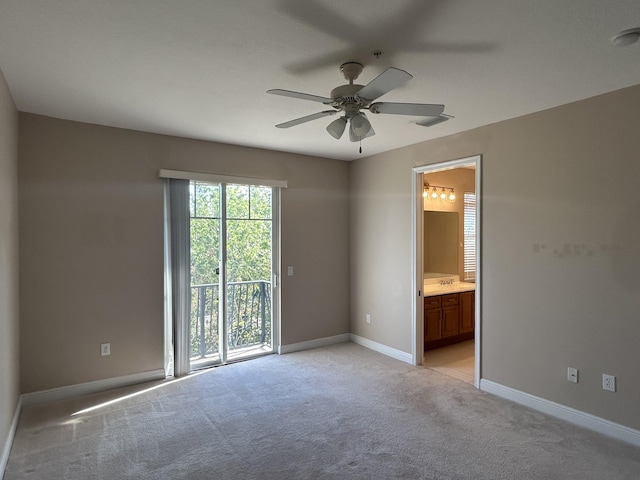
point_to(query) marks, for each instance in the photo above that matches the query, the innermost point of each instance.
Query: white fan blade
(308, 118)
(417, 109)
(301, 96)
(385, 82)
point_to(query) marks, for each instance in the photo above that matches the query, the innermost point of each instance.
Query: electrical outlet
(105, 349)
(367, 318)
(608, 382)
(572, 375)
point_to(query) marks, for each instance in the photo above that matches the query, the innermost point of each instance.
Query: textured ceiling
(200, 68)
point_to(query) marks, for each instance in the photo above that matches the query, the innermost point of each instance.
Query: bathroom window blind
(469, 237)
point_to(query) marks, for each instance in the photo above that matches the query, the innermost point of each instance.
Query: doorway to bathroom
(446, 247)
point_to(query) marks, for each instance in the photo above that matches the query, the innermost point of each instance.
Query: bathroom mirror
(441, 242)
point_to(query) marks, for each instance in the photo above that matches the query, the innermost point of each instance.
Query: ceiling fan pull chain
(360, 144)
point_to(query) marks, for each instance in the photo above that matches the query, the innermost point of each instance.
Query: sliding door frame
(222, 181)
(222, 278)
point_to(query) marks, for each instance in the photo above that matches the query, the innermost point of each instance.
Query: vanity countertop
(431, 290)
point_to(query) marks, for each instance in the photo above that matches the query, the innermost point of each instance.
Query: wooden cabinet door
(449, 299)
(432, 302)
(450, 320)
(432, 328)
(467, 311)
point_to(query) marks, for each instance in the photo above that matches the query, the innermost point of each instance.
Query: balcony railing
(248, 312)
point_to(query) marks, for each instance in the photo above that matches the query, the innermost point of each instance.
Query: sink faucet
(447, 282)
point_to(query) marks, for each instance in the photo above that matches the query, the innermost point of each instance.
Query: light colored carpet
(455, 361)
(341, 412)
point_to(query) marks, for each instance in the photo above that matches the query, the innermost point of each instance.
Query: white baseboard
(384, 349)
(308, 345)
(54, 394)
(8, 442)
(600, 425)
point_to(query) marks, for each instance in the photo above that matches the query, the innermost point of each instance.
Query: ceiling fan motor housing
(351, 70)
(345, 95)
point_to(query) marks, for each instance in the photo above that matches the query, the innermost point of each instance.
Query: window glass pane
(237, 201)
(205, 232)
(248, 250)
(192, 199)
(469, 236)
(205, 226)
(260, 202)
(205, 200)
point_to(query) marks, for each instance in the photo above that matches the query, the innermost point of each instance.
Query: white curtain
(177, 272)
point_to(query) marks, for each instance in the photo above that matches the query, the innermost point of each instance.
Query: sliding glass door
(232, 239)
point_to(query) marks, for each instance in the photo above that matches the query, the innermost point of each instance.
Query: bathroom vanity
(449, 311)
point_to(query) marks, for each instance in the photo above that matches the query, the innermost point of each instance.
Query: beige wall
(380, 243)
(91, 244)
(462, 180)
(559, 260)
(9, 327)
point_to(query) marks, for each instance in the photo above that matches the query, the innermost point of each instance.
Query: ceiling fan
(351, 99)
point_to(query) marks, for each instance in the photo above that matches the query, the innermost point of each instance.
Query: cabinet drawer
(451, 299)
(432, 302)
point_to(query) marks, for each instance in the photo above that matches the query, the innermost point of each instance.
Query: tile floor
(456, 360)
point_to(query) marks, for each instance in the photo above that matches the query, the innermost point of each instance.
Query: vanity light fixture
(437, 192)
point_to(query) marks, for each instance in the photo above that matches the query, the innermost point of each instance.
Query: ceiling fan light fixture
(360, 126)
(336, 128)
(354, 138)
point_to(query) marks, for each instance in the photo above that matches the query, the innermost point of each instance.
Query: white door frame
(417, 330)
